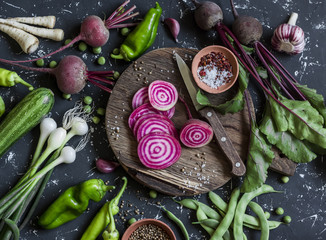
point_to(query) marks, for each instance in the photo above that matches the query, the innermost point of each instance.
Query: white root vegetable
(26, 41)
(45, 21)
(53, 34)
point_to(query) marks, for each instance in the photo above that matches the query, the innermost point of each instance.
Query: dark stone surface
(303, 198)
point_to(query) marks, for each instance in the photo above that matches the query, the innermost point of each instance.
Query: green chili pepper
(9, 79)
(2, 106)
(111, 233)
(102, 218)
(142, 37)
(73, 202)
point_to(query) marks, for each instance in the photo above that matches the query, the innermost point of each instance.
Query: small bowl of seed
(215, 69)
(148, 229)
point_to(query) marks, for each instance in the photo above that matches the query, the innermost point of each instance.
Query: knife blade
(238, 168)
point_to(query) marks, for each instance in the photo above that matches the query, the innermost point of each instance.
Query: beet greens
(294, 115)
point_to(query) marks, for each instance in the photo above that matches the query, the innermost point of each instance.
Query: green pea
(87, 108)
(279, 211)
(267, 215)
(116, 51)
(101, 60)
(40, 63)
(66, 96)
(96, 119)
(82, 46)
(97, 50)
(53, 64)
(287, 219)
(131, 221)
(152, 194)
(124, 31)
(116, 75)
(88, 100)
(67, 41)
(285, 179)
(100, 111)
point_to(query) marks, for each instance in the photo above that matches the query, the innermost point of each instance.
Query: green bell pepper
(73, 202)
(142, 37)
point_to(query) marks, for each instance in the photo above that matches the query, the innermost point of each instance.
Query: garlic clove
(288, 37)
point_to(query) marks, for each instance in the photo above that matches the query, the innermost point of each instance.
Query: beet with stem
(207, 14)
(72, 74)
(94, 31)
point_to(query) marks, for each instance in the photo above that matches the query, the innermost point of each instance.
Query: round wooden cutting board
(198, 170)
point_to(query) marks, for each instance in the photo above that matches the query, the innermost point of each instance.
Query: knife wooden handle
(238, 167)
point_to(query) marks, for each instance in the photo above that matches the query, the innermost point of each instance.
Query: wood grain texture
(198, 170)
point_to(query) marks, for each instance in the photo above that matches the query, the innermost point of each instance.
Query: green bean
(125, 31)
(210, 212)
(87, 109)
(100, 111)
(97, 50)
(116, 51)
(13, 226)
(241, 208)
(67, 41)
(202, 216)
(188, 203)
(178, 222)
(267, 214)
(66, 96)
(256, 208)
(213, 223)
(228, 218)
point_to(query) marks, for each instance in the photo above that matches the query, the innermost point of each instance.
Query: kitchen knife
(238, 167)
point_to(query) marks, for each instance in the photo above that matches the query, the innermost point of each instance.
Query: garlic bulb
(288, 37)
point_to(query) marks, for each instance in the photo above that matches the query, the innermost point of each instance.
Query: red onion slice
(146, 109)
(154, 124)
(196, 133)
(147, 116)
(158, 150)
(140, 97)
(162, 95)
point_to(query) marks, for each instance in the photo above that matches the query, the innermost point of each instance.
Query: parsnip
(27, 42)
(54, 34)
(46, 21)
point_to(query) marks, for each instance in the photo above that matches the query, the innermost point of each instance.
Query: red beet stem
(234, 10)
(222, 29)
(113, 23)
(99, 85)
(186, 106)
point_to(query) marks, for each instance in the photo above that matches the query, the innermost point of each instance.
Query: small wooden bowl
(229, 55)
(156, 222)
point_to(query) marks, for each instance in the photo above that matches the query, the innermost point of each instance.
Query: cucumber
(24, 116)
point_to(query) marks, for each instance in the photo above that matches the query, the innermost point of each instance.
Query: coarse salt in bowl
(215, 69)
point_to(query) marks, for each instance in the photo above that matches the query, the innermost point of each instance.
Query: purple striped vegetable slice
(147, 116)
(162, 95)
(146, 109)
(196, 133)
(140, 97)
(158, 150)
(154, 124)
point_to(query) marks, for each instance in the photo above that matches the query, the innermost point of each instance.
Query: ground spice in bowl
(149, 232)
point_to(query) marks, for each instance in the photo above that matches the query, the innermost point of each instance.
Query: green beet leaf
(315, 99)
(300, 119)
(234, 105)
(289, 145)
(259, 159)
